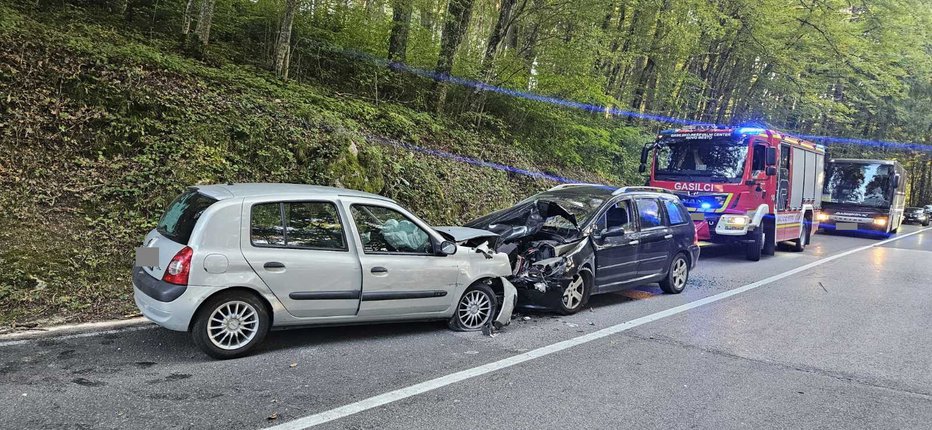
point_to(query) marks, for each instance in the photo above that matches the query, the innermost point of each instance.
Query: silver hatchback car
(228, 262)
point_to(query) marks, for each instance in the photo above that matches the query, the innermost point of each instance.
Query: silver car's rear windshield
(181, 216)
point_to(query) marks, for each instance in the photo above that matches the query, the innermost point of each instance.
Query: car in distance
(916, 215)
(235, 260)
(575, 240)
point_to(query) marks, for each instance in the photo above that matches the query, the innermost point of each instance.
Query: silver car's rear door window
(299, 249)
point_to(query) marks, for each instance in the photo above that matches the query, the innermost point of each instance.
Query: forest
(109, 108)
(832, 68)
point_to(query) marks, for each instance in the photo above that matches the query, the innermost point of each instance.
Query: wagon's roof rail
(623, 190)
(577, 184)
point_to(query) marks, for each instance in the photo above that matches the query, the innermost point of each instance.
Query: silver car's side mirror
(447, 248)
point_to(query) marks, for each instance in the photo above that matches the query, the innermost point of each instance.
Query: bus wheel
(799, 245)
(755, 245)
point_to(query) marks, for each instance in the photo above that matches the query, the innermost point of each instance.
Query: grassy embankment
(101, 126)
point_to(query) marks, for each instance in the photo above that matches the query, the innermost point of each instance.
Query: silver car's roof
(226, 191)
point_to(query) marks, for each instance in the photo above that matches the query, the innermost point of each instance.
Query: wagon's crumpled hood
(541, 258)
(460, 234)
(522, 220)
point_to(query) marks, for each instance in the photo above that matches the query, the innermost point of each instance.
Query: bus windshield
(865, 184)
(716, 159)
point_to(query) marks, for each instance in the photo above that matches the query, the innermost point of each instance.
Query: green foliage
(101, 129)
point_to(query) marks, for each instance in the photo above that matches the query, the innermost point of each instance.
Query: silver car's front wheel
(230, 324)
(475, 308)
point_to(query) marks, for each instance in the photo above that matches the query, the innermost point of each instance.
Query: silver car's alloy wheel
(233, 325)
(680, 273)
(573, 294)
(475, 309)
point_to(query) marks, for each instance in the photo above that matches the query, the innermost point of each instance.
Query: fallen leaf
(273, 417)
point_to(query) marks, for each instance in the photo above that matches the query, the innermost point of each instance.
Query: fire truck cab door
(783, 184)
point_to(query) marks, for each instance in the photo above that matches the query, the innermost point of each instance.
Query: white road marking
(50, 336)
(433, 384)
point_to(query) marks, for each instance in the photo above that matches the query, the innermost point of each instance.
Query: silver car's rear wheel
(233, 325)
(230, 324)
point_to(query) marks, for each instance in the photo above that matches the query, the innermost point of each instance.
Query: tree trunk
(283, 44)
(650, 65)
(202, 31)
(401, 21)
(496, 36)
(187, 18)
(457, 22)
(119, 6)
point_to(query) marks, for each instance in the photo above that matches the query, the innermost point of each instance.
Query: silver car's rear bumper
(176, 314)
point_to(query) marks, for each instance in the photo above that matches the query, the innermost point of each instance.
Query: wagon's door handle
(634, 242)
(274, 265)
(379, 269)
(668, 236)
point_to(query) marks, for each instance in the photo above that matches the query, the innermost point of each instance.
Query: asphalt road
(844, 344)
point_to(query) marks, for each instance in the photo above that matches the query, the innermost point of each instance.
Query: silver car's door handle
(379, 269)
(273, 265)
(668, 236)
(634, 242)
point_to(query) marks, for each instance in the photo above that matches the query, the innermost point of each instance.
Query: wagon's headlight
(553, 266)
(822, 217)
(880, 221)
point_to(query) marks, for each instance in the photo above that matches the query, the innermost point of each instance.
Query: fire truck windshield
(719, 159)
(864, 184)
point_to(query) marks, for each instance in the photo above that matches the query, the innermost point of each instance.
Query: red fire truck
(748, 185)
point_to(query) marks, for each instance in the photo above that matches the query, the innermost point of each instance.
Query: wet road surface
(844, 344)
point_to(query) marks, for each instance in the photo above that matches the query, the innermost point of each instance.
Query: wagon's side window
(616, 216)
(675, 212)
(384, 230)
(649, 213)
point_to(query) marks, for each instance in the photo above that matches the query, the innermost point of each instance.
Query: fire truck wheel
(755, 245)
(770, 242)
(799, 245)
